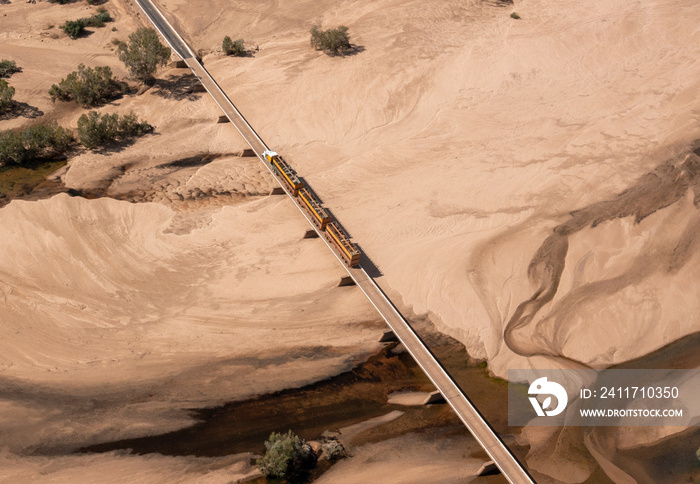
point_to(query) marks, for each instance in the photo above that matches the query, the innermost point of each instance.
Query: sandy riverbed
(451, 147)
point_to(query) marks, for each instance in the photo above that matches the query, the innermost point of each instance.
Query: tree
(87, 86)
(96, 131)
(287, 457)
(8, 67)
(143, 54)
(35, 142)
(11, 149)
(74, 28)
(332, 41)
(6, 93)
(230, 47)
(47, 140)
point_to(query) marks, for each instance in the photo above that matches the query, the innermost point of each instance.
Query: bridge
(504, 459)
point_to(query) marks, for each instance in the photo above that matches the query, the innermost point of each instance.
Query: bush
(8, 67)
(286, 457)
(74, 28)
(144, 54)
(6, 93)
(333, 450)
(233, 48)
(36, 142)
(87, 86)
(11, 149)
(96, 131)
(515, 16)
(99, 19)
(332, 41)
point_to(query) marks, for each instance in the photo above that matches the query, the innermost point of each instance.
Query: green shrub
(87, 86)
(97, 131)
(143, 54)
(74, 28)
(286, 457)
(6, 93)
(515, 16)
(99, 19)
(231, 47)
(11, 148)
(34, 143)
(332, 41)
(8, 67)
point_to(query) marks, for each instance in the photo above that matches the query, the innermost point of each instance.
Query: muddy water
(672, 460)
(29, 182)
(348, 398)
(361, 393)
(308, 411)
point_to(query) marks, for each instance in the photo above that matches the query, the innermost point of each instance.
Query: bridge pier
(346, 281)
(488, 469)
(178, 64)
(434, 398)
(388, 337)
(246, 153)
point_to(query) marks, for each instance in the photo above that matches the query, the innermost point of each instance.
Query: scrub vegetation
(87, 86)
(332, 41)
(143, 54)
(96, 131)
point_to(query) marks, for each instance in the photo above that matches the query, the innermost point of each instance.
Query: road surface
(455, 397)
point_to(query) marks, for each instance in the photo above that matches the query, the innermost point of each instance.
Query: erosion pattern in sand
(521, 177)
(531, 185)
(459, 139)
(117, 317)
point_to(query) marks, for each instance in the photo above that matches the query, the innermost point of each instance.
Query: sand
(408, 398)
(413, 458)
(455, 143)
(117, 468)
(452, 146)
